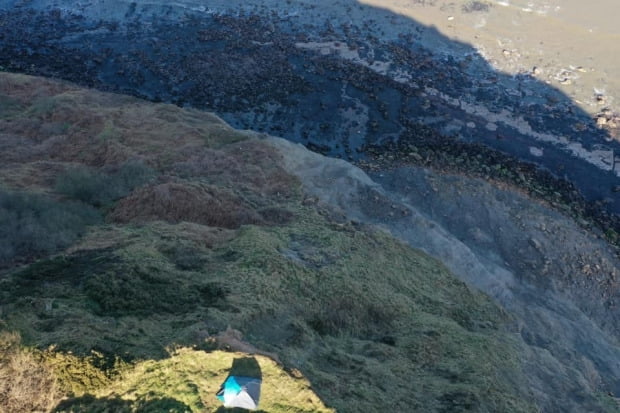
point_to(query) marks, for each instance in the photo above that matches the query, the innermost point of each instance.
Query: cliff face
(139, 231)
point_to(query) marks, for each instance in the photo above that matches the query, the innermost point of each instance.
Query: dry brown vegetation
(48, 133)
(44, 120)
(27, 88)
(26, 384)
(176, 202)
(253, 165)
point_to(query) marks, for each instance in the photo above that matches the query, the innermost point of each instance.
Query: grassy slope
(372, 323)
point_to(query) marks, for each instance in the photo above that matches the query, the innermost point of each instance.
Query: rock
(416, 156)
(601, 121)
(535, 243)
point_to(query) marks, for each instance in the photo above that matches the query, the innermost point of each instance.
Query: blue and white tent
(240, 391)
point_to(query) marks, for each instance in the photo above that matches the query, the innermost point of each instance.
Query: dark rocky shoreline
(248, 69)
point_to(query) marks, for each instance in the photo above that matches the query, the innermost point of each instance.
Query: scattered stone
(538, 152)
(475, 6)
(580, 127)
(416, 156)
(491, 126)
(535, 243)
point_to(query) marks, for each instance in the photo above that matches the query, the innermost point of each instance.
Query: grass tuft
(100, 189)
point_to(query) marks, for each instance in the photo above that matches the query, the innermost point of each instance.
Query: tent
(240, 391)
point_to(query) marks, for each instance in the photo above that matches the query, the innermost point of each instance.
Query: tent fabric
(239, 391)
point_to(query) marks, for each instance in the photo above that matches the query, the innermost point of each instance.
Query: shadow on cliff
(89, 403)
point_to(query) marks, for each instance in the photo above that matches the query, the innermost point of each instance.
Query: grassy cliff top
(137, 232)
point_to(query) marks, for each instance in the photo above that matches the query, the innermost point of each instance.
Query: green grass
(185, 381)
(398, 327)
(399, 318)
(42, 106)
(608, 403)
(373, 324)
(188, 381)
(109, 132)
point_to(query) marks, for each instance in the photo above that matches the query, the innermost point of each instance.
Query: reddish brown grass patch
(177, 202)
(252, 164)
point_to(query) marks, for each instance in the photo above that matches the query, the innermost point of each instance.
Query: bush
(113, 286)
(186, 258)
(34, 225)
(135, 291)
(98, 188)
(26, 384)
(189, 202)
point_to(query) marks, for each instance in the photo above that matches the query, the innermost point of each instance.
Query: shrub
(135, 291)
(34, 225)
(186, 258)
(98, 188)
(113, 286)
(83, 184)
(26, 384)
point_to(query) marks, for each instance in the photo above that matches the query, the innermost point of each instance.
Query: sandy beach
(572, 45)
